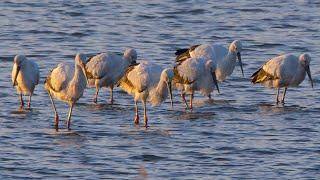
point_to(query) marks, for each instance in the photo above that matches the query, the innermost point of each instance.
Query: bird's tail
(181, 51)
(261, 76)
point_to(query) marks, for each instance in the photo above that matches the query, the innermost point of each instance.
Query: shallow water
(241, 134)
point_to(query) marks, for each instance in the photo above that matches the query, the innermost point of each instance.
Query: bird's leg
(56, 117)
(191, 98)
(69, 117)
(278, 95)
(209, 96)
(29, 103)
(111, 94)
(136, 119)
(95, 98)
(284, 95)
(145, 114)
(21, 101)
(183, 95)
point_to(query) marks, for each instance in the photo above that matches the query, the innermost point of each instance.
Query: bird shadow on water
(192, 115)
(102, 106)
(278, 108)
(66, 137)
(23, 112)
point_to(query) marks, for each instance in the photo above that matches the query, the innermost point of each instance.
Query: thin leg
(183, 95)
(111, 94)
(278, 95)
(21, 101)
(69, 117)
(56, 117)
(284, 95)
(191, 98)
(136, 119)
(95, 98)
(145, 114)
(29, 103)
(209, 96)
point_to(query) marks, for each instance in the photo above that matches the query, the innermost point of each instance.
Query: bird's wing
(140, 76)
(183, 54)
(96, 65)
(268, 71)
(188, 71)
(60, 76)
(203, 51)
(124, 82)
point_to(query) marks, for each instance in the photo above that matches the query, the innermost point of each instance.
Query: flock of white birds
(198, 68)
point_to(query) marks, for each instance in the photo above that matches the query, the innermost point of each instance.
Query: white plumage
(283, 71)
(25, 76)
(224, 59)
(147, 81)
(195, 74)
(67, 82)
(105, 69)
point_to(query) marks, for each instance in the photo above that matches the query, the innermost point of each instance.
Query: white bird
(224, 59)
(105, 70)
(195, 74)
(67, 82)
(146, 81)
(25, 76)
(283, 71)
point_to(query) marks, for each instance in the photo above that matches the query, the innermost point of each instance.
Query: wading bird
(283, 71)
(195, 74)
(25, 76)
(146, 81)
(105, 70)
(67, 82)
(224, 59)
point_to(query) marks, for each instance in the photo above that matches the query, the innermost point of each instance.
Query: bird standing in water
(147, 82)
(25, 77)
(195, 74)
(283, 71)
(67, 82)
(105, 70)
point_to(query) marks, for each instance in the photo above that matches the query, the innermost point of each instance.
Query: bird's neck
(159, 93)
(229, 63)
(78, 77)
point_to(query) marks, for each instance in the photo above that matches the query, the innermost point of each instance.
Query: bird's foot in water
(136, 119)
(111, 101)
(56, 122)
(95, 100)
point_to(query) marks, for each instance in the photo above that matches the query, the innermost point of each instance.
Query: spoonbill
(67, 82)
(25, 76)
(105, 69)
(223, 58)
(283, 71)
(146, 81)
(195, 74)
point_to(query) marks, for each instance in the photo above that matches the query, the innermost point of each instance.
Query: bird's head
(167, 76)
(212, 67)
(81, 60)
(236, 47)
(305, 63)
(130, 55)
(18, 61)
